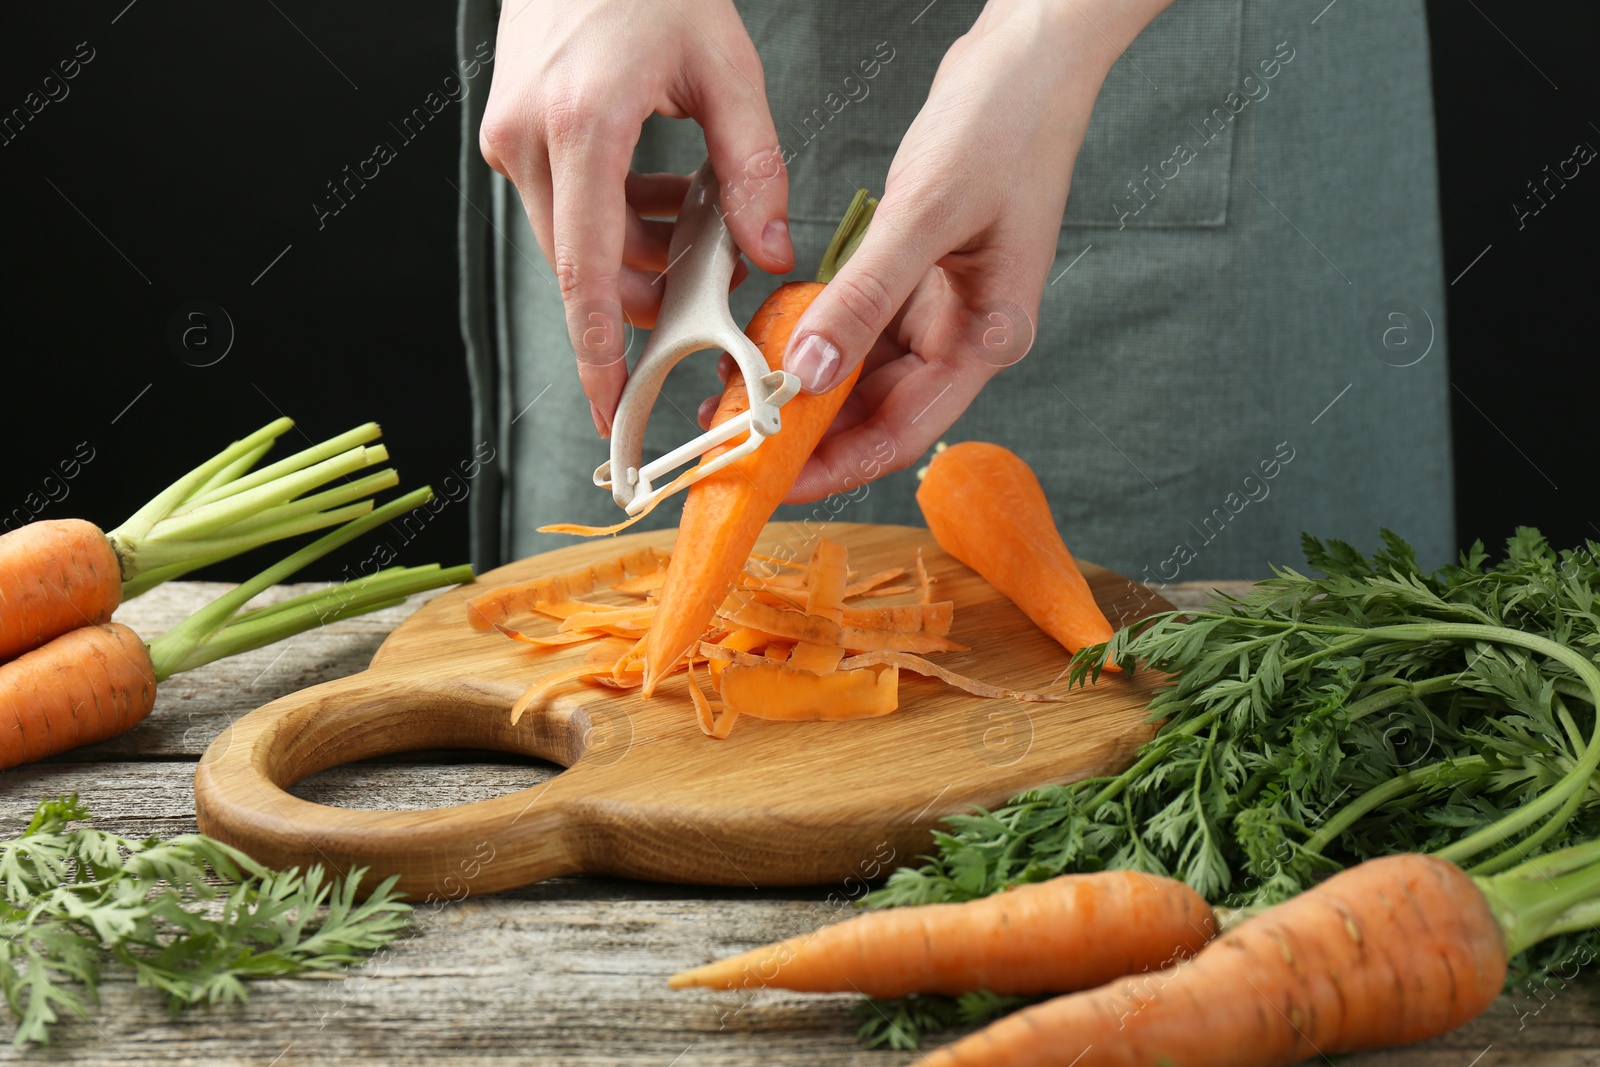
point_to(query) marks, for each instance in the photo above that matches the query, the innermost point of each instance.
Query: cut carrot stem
(63, 573)
(986, 508)
(224, 508)
(186, 645)
(94, 682)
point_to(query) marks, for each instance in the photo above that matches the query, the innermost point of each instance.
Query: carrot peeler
(694, 317)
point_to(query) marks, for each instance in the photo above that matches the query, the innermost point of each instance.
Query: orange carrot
(94, 682)
(724, 513)
(986, 508)
(1396, 950)
(59, 574)
(55, 575)
(84, 686)
(1069, 933)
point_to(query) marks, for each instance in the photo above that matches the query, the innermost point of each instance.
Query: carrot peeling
(518, 598)
(715, 720)
(779, 691)
(818, 659)
(786, 643)
(825, 582)
(874, 583)
(551, 640)
(918, 665)
(935, 618)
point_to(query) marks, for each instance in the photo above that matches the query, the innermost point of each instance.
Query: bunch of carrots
(70, 676)
(787, 646)
(1396, 950)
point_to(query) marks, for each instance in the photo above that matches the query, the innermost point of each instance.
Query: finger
(874, 385)
(642, 291)
(848, 316)
(530, 173)
(589, 169)
(644, 245)
(919, 407)
(657, 196)
(641, 302)
(730, 103)
(707, 409)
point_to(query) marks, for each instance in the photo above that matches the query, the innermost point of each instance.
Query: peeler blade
(694, 317)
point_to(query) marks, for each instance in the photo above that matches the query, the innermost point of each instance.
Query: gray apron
(1242, 338)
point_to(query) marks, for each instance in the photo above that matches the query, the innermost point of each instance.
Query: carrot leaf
(79, 901)
(1326, 719)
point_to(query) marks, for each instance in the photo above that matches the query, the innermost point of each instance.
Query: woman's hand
(573, 86)
(943, 293)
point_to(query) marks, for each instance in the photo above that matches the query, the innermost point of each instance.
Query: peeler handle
(694, 317)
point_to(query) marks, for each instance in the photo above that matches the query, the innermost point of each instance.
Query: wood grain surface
(645, 793)
(569, 971)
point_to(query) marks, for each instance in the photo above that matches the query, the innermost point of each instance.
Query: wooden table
(570, 971)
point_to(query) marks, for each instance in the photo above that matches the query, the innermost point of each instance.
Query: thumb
(852, 311)
(747, 158)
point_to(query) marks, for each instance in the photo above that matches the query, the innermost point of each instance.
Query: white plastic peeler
(694, 317)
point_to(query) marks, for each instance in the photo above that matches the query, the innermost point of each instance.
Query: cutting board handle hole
(431, 778)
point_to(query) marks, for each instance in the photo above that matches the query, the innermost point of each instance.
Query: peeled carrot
(55, 575)
(724, 513)
(986, 508)
(1393, 951)
(1071, 932)
(84, 686)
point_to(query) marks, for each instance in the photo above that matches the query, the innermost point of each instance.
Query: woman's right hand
(573, 86)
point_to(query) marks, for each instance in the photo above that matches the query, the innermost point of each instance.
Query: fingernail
(775, 240)
(600, 423)
(815, 363)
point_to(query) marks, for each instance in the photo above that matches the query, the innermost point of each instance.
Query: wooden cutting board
(645, 794)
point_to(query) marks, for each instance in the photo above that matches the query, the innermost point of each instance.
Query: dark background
(200, 134)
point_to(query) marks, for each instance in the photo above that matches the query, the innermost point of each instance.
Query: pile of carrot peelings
(791, 642)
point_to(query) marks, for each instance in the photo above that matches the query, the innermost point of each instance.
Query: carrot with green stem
(59, 574)
(724, 513)
(97, 681)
